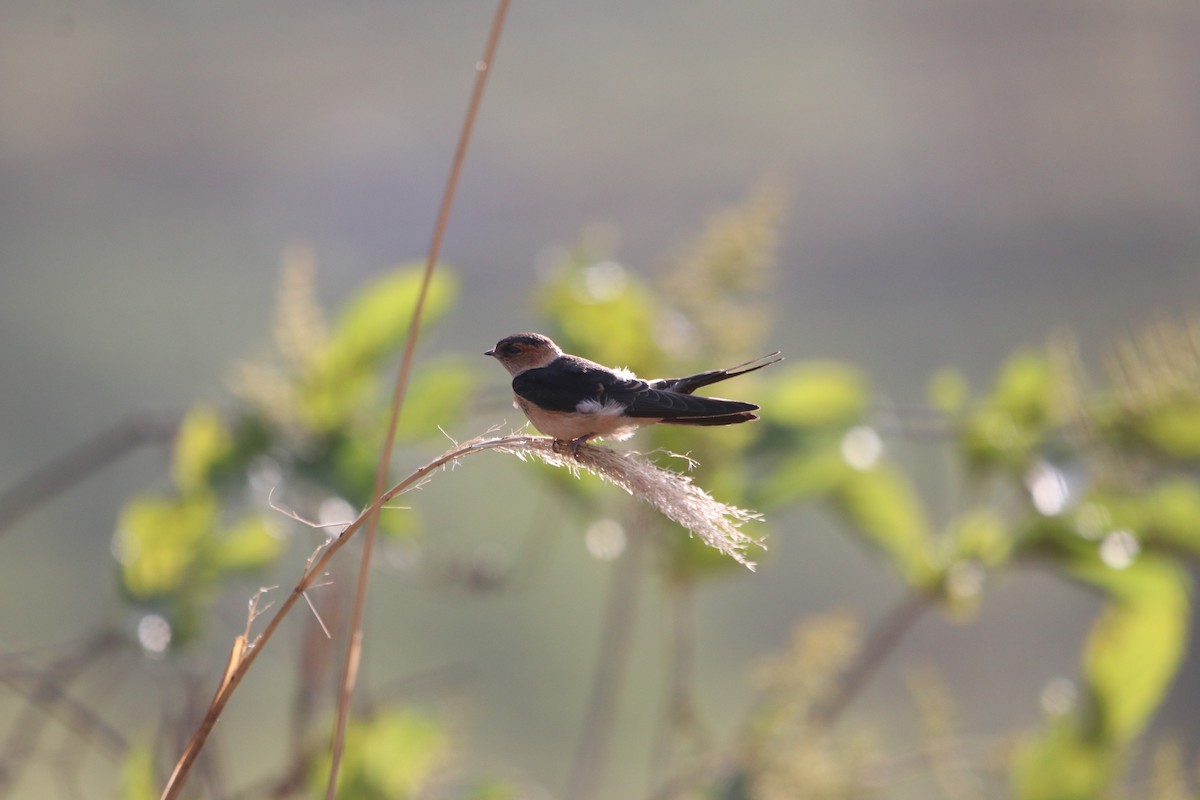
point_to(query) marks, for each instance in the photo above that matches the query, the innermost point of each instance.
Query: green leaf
(328, 400)
(808, 473)
(997, 437)
(1173, 429)
(394, 756)
(1175, 517)
(1135, 647)
(981, 535)
(605, 311)
(1062, 764)
(887, 512)
(1169, 514)
(436, 397)
(1025, 388)
(159, 541)
(350, 470)
(816, 394)
(1013, 419)
(373, 325)
(139, 779)
(400, 524)
(202, 442)
(247, 546)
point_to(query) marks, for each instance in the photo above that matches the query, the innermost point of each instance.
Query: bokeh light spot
(154, 634)
(1058, 697)
(861, 447)
(604, 281)
(1119, 549)
(1092, 521)
(605, 539)
(1048, 489)
(336, 513)
(964, 580)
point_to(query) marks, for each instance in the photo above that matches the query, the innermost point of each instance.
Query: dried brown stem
(668, 492)
(354, 648)
(314, 570)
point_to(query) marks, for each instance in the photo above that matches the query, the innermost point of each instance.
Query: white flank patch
(624, 374)
(610, 409)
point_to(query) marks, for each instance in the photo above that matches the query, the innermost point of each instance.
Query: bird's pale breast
(567, 425)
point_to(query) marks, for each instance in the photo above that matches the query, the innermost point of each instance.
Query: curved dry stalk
(245, 653)
(354, 646)
(669, 492)
(675, 496)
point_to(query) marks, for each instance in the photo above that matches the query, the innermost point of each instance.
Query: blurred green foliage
(1095, 485)
(1041, 435)
(311, 416)
(139, 778)
(397, 755)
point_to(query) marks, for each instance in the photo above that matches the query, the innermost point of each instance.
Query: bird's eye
(510, 349)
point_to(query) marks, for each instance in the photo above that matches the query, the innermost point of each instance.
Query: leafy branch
(672, 494)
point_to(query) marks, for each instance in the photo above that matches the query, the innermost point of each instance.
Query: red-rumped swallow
(573, 399)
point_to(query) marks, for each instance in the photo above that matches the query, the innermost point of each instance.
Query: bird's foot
(575, 444)
(569, 445)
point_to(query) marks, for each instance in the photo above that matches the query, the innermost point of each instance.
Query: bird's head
(524, 351)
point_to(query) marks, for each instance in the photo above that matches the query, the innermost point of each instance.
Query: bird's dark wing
(567, 381)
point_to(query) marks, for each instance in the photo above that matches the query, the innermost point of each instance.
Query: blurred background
(964, 179)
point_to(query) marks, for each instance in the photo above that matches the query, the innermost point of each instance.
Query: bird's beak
(490, 353)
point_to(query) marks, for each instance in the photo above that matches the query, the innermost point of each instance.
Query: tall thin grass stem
(354, 646)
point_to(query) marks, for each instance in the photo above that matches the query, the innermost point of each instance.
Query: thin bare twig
(46, 692)
(81, 461)
(878, 646)
(674, 496)
(680, 714)
(313, 570)
(354, 647)
(612, 661)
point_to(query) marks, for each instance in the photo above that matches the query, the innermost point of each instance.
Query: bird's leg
(569, 445)
(575, 443)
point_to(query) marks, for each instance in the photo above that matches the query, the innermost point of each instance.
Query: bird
(573, 400)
